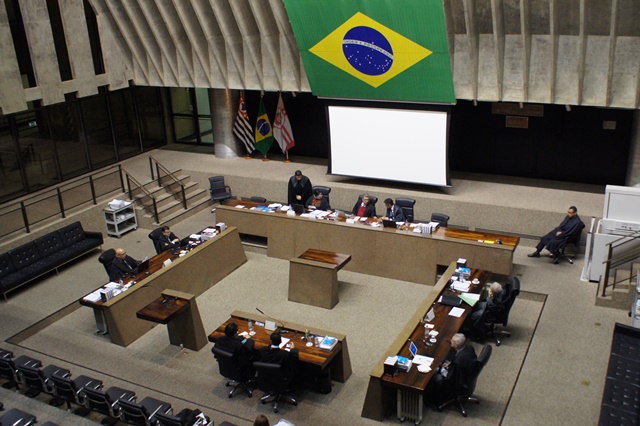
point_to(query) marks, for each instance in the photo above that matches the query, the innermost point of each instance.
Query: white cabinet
(121, 220)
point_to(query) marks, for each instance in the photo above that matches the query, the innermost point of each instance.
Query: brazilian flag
(264, 131)
(374, 49)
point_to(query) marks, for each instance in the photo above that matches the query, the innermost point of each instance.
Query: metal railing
(615, 260)
(171, 178)
(22, 215)
(140, 194)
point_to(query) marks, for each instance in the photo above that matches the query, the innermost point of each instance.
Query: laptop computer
(143, 266)
(389, 223)
(298, 208)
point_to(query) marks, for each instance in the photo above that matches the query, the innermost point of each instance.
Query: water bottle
(121, 283)
(251, 330)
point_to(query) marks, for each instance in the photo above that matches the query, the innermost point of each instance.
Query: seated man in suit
(123, 265)
(318, 201)
(552, 241)
(241, 347)
(394, 212)
(364, 208)
(493, 302)
(168, 240)
(274, 355)
(455, 372)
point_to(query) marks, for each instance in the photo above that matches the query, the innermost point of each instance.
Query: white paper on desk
(364, 219)
(112, 285)
(284, 342)
(285, 208)
(209, 231)
(194, 236)
(239, 206)
(456, 312)
(422, 360)
(461, 286)
(473, 296)
(93, 297)
(276, 206)
(305, 215)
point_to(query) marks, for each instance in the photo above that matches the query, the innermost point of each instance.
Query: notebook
(389, 223)
(450, 300)
(298, 208)
(143, 266)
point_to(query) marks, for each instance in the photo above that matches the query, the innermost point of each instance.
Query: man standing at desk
(364, 208)
(299, 188)
(123, 265)
(394, 212)
(241, 347)
(454, 373)
(274, 355)
(553, 239)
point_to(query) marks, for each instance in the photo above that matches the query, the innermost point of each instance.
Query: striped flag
(241, 128)
(282, 128)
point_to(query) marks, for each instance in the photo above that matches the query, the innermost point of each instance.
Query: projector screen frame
(440, 108)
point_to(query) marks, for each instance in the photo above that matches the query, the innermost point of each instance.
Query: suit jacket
(569, 226)
(119, 269)
(396, 213)
(242, 349)
(288, 360)
(324, 203)
(369, 211)
(460, 367)
(163, 243)
(302, 188)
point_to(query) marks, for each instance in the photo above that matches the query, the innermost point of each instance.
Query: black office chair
(142, 413)
(38, 379)
(407, 207)
(501, 315)
(258, 199)
(155, 236)
(105, 402)
(180, 419)
(273, 383)
(18, 418)
(372, 199)
(230, 369)
(8, 370)
(72, 391)
(559, 253)
(440, 218)
(218, 190)
(106, 258)
(463, 393)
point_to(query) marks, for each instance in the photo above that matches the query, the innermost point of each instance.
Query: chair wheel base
(56, 402)
(10, 385)
(109, 421)
(82, 411)
(32, 393)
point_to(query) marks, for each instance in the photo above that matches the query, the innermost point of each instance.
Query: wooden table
(337, 358)
(410, 386)
(179, 312)
(313, 277)
(194, 273)
(384, 252)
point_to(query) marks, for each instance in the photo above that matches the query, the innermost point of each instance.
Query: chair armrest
(228, 188)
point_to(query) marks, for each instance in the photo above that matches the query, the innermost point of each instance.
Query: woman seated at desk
(318, 201)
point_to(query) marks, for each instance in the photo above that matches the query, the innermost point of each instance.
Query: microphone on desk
(281, 325)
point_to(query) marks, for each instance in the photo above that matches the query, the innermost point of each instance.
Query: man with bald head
(123, 265)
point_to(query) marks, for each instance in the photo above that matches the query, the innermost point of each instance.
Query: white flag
(282, 128)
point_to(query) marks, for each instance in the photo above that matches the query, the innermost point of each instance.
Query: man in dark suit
(167, 240)
(122, 265)
(394, 212)
(455, 372)
(274, 355)
(494, 303)
(299, 189)
(241, 347)
(364, 208)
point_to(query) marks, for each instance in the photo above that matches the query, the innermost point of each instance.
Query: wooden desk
(313, 277)
(384, 389)
(193, 273)
(383, 252)
(179, 312)
(337, 358)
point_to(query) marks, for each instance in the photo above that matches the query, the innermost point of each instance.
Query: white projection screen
(404, 145)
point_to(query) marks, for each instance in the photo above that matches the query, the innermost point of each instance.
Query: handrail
(613, 261)
(146, 192)
(170, 174)
(42, 200)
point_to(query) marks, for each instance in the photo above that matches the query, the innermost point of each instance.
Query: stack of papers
(391, 360)
(93, 296)
(470, 298)
(461, 285)
(422, 360)
(276, 206)
(328, 343)
(456, 312)
(239, 206)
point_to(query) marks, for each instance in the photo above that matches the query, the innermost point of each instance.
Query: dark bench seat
(45, 254)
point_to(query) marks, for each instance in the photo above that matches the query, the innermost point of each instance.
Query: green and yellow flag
(374, 49)
(264, 131)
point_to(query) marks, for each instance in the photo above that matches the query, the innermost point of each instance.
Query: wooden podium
(313, 277)
(180, 313)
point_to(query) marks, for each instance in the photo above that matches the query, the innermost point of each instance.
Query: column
(224, 107)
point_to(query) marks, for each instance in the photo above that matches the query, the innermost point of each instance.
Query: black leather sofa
(45, 254)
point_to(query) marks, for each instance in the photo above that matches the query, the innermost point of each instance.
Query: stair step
(196, 207)
(173, 205)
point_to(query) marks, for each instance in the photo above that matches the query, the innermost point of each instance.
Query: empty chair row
(20, 418)
(88, 393)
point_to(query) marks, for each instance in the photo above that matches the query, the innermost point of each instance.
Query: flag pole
(287, 159)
